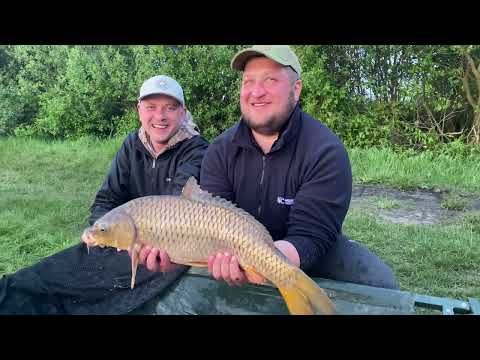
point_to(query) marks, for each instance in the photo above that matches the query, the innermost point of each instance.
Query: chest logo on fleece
(284, 201)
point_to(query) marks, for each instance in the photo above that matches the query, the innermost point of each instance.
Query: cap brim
(140, 98)
(239, 60)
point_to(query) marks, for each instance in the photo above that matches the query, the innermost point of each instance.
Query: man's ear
(297, 89)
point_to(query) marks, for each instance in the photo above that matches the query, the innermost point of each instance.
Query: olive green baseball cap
(282, 54)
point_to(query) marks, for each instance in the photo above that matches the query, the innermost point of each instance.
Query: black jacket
(135, 173)
(300, 191)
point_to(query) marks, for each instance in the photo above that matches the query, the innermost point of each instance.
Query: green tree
(211, 86)
(88, 96)
(406, 96)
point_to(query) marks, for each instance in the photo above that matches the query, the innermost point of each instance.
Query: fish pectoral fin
(135, 253)
(254, 276)
(197, 263)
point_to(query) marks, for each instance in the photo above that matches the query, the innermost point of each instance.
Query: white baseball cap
(162, 85)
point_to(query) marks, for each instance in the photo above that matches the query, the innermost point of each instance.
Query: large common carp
(195, 225)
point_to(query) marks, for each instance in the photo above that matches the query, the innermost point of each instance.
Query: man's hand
(155, 259)
(287, 249)
(224, 266)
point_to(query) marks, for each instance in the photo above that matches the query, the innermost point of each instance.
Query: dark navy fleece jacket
(135, 173)
(300, 191)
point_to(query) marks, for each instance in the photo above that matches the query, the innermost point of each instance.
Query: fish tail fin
(305, 297)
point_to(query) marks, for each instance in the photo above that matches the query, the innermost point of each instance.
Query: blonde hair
(189, 124)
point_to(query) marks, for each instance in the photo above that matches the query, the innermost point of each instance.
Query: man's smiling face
(267, 95)
(161, 116)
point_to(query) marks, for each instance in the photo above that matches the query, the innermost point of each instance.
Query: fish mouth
(89, 239)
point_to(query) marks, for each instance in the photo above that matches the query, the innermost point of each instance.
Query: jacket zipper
(259, 210)
(153, 175)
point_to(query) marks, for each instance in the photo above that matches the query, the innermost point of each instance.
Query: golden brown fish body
(195, 225)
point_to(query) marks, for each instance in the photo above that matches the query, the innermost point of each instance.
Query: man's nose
(258, 90)
(160, 113)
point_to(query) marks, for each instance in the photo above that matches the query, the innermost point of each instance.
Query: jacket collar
(243, 136)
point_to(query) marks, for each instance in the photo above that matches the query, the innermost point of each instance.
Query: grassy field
(45, 194)
(382, 166)
(46, 190)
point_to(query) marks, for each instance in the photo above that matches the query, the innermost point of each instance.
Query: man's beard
(273, 124)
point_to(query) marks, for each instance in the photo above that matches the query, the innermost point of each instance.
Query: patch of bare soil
(410, 207)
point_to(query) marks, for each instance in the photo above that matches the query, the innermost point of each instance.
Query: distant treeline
(407, 96)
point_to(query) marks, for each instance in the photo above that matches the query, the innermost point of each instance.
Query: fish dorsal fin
(193, 192)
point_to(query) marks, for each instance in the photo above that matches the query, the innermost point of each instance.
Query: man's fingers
(165, 264)
(152, 260)
(211, 259)
(237, 276)
(225, 268)
(216, 267)
(142, 257)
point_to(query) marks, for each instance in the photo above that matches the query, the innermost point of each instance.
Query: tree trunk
(471, 71)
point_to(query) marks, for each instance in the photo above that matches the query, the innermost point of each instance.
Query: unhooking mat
(74, 282)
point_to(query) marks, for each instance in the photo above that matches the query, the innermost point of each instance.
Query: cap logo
(162, 84)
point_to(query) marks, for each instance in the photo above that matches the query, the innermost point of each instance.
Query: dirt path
(409, 207)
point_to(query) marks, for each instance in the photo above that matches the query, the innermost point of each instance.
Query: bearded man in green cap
(290, 172)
